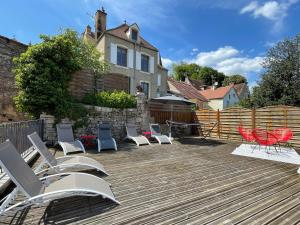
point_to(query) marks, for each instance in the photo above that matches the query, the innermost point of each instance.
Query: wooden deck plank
(190, 182)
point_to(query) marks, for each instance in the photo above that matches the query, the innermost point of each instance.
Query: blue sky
(229, 35)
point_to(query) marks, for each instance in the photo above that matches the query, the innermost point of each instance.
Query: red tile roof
(187, 90)
(217, 93)
(120, 32)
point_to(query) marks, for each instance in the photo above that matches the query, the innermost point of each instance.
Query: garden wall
(9, 49)
(117, 117)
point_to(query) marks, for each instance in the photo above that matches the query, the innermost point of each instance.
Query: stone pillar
(143, 113)
(49, 132)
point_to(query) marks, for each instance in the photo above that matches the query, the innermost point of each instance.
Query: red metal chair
(283, 135)
(246, 134)
(265, 138)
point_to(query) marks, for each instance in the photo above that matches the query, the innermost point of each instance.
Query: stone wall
(116, 117)
(8, 49)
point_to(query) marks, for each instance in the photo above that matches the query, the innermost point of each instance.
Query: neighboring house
(242, 90)
(133, 61)
(187, 91)
(222, 97)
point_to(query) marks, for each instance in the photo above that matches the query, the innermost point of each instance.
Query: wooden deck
(192, 182)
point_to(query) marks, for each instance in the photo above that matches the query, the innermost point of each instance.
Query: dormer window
(134, 35)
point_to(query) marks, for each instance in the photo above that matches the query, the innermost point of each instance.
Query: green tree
(235, 79)
(43, 73)
(183, 70)
(280, 83)
(209, 75)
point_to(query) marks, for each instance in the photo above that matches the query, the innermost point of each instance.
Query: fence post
(253, 118)
(218, 123)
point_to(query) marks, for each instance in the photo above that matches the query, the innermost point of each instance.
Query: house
(222, 97)
(188, 91)
(133, 60)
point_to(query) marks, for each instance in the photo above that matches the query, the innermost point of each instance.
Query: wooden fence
(162, 112)
(17, 133)
(267, 118)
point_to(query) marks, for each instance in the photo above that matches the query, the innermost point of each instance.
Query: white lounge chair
(133, 135)
(66, 139)
(48, 188)
(105, 139)
(156, 133)
(67, 162)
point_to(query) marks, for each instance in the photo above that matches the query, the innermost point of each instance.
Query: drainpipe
(134, 67)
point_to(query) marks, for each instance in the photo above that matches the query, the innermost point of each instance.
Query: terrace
(190, 182)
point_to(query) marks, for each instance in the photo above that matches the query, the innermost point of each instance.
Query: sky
(231, 36)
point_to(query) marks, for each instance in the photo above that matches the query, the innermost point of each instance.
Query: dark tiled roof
(120, 32)
(198, 84)
(187, 90)
(239, 88)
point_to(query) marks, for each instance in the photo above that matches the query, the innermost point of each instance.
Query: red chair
(246, 134)
(283, 135)
(265, 138)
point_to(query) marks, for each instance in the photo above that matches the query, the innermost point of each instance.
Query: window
(229, 96)
(145, 87)
(145, 63)
(134, 35)
(122, 56)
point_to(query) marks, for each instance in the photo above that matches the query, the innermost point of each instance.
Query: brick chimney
(100, 22)
(88, 30)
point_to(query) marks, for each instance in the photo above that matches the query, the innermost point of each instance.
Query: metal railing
(17, 133)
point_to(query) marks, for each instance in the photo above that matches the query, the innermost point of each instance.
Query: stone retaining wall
(116, 117)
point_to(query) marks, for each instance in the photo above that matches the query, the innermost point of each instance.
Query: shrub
(115, 99)
(43, 73)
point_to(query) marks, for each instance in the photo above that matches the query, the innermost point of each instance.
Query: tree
(183, 70)
(43, 73)
(209, 75)
(235, 79)
(280, 83)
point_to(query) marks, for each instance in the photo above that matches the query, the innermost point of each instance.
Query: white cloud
(167, 62)
(229, 61)
(195, 50)
(274, 11)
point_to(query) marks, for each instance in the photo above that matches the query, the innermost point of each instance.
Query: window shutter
(158, 80)
(151, 64)
(138, 60)
(113, 53)
(130, 58)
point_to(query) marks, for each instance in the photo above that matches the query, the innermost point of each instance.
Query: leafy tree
(186, 70)
(235, 79)
(43, 73)
(209, 75)
(280, 83)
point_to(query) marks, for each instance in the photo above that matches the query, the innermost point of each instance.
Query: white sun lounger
(105, 139)
(133, 135)
(67, 162)
(156, 133)
(48, 188)
(66, 139)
